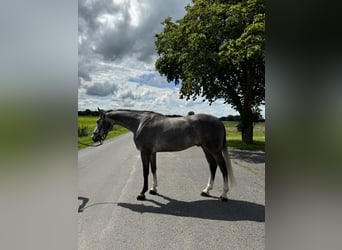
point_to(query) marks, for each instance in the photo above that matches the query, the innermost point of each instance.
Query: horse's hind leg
(153, 162)
(213, 167)
(222, 164)
(145, 158)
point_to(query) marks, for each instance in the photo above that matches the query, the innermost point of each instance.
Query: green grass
(234, 140)
(88, 124)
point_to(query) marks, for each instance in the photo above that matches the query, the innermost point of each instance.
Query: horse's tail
(228, 162)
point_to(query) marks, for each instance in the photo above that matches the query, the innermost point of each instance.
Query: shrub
(83, 131)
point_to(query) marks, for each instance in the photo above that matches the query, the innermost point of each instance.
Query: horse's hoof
(153, 192)
(223, 199)
(204, 194)
(141, 197)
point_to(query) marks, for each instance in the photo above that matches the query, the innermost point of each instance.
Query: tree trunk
(247, 133)
(247, 114)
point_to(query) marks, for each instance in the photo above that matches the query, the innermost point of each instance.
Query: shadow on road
(233, 210)
(255, 157)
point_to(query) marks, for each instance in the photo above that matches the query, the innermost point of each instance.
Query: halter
(101, 132)
(103, 137)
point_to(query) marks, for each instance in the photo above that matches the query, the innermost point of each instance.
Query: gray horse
(154, 132)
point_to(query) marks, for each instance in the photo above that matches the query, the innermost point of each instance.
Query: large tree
(217, 51)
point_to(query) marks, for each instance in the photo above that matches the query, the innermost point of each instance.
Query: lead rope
(90, 145)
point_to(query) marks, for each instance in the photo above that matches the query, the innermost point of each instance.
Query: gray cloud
(101, 89)
(128, 94)
(89, 11)
(113, 46)
(84, 74)
(118, 35)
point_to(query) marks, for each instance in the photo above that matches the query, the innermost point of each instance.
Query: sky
(117, 54)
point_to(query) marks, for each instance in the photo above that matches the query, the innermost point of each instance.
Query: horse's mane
(136, 111)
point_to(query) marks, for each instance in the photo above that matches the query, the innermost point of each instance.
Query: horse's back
(161, 133)
(210, 130)
(206, 122)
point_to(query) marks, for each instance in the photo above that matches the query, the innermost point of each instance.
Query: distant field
(87, 125)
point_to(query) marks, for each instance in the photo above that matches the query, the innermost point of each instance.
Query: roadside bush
(83, 131)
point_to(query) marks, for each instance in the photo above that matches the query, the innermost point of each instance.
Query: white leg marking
(155, 183)
(209, 186)
(225, 189)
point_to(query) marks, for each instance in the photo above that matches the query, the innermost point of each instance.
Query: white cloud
(127, 94)
(163, 100)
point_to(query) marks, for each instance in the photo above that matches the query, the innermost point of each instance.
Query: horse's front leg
(153, 162)
(145, 158)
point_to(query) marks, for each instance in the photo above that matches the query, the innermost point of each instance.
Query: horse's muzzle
(96, 138)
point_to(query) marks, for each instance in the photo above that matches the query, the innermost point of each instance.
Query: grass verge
(234, 140)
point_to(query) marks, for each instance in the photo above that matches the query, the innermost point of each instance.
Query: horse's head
(104, 125)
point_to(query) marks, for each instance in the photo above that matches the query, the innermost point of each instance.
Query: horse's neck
(127, 119)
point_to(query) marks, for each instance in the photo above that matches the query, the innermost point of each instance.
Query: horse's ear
(101, 112)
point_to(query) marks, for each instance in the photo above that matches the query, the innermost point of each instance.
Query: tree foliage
(217, 51)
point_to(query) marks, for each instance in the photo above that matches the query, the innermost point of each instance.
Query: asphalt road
(110, 217)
